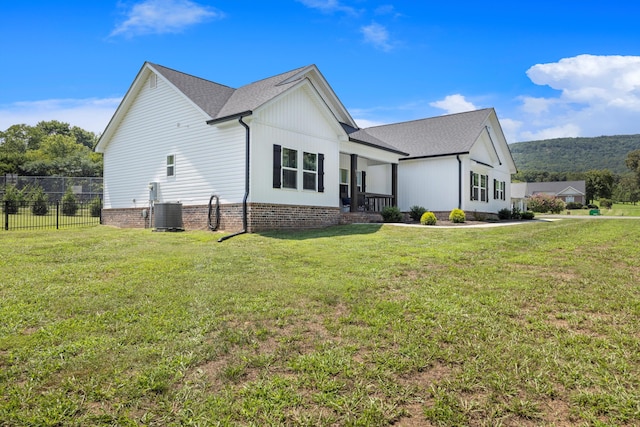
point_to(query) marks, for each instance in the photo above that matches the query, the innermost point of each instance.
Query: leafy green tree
(49, 148)
(599, 184)
(633, 163)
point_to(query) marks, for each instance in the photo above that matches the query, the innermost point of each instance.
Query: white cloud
(454, 104)
(564, 131)
(329, 6)
(164, 16)
(599, 95)
(366, 123)
(377, 35)
(90, 114)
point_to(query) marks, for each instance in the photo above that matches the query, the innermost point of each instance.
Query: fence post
(6, 215)
(57, 214)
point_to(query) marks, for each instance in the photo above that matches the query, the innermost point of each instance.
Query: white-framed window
(171, 165)
(285, 169)
(289, 168)
(479, 187)
(309, 171)
(344, 176)
(499, 189)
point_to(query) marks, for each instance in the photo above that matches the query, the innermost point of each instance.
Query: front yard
(532, 324)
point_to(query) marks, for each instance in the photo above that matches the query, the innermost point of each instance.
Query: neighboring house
(284, 152)
(568, 191)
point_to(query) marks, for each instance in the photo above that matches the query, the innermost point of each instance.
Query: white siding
(430, 183)
(161, 122)
(295, 121)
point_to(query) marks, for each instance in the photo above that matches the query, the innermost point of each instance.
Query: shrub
(544, 203)
(516, 213)
(416, 212)
(504, 213)
(556, 206)
(528, 215)
(40, 202)
(574, 205)
(457, 216)
(11, 199)
(606, 203)
(69, 203)
(391, 214)
(95, 207)
(428, 218)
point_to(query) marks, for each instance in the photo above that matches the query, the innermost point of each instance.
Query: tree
(599, 184)
(49, 148)
(633, 163)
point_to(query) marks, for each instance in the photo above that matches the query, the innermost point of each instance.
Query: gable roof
(436, 136)
(521, 190)
(207, 95)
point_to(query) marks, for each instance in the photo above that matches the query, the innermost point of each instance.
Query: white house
(284, 152)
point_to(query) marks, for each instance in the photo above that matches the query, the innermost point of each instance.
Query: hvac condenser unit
(168, 216)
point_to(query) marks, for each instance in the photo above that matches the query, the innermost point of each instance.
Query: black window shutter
(495, 188)
(471, 188)
(504, 190)
(486, 197)
(277, 166)
(364, 181)
(320, 173)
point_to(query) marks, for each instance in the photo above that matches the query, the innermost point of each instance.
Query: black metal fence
(84, 188)
(45, 214)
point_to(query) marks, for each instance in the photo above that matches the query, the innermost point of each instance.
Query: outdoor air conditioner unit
(168, 217)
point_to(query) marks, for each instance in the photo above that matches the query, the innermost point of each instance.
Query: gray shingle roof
(253, 95)
(360, 136)
(220, 101)
(207, 95)
(436, 136)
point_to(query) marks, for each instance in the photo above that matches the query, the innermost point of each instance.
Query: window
(344, 176)
(499, 188)
(479, 187)
(285, 169)
(171, 165)
(289, 168)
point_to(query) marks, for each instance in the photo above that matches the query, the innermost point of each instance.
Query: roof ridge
(429, 118)
(189, 75)
(277, 75)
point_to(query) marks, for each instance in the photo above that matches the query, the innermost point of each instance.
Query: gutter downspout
(459, 181)
(246, 185)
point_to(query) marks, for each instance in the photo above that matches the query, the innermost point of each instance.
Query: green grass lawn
(532, 324)
(618, 209)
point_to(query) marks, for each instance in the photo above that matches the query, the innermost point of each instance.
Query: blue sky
(550, 68)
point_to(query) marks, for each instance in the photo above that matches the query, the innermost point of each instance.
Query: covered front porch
(367, 185)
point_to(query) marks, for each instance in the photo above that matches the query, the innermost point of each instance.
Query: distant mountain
(575, 154)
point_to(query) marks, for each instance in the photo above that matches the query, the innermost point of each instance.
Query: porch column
(353, 183)
(394, 183)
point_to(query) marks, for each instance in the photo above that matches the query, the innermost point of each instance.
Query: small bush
(40, 202)
(391, 214)
(428, 218)
(95, 207)
(11, 200)
(416, 212)
(516, 213)
(69, 203)
(606, 203)
(574, 205)
(504, 213)
(457, 216)
(528, 215)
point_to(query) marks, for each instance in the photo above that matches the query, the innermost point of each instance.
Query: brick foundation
(260, 217)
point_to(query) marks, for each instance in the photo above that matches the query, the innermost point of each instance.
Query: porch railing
(370, 202)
